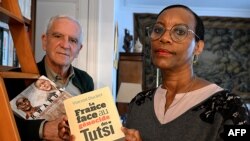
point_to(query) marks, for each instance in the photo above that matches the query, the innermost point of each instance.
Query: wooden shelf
(19, 75)
(10, 14)
(9, 131)
(5, 68)
(7, 17)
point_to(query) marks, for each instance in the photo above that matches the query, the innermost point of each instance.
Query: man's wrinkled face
(62, 42)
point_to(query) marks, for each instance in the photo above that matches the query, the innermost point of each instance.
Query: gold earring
(195, 58)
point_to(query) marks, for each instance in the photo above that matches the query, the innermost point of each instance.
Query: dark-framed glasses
(177, 33)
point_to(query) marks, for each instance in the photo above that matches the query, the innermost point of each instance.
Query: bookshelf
(8, 57)
(10, 14)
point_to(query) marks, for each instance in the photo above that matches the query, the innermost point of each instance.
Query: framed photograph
(141, 22)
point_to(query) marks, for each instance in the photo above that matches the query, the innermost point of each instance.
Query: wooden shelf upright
(10, 13)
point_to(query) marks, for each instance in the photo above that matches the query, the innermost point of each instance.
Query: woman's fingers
(131, 134)
(63, 129)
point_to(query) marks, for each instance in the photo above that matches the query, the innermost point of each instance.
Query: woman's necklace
(188, 90)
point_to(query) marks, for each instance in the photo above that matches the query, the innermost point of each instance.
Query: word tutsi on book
(40, 100)
(93, 116)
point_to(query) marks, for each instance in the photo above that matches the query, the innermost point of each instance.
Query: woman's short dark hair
(199, 27)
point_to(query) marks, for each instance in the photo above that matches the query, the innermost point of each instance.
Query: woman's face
(43, 84)
(168, 54)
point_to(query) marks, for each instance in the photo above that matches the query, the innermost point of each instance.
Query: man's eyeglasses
(177, 33)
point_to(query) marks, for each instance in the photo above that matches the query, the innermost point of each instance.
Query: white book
(11, 51)
(5, 50)
(21, 5)
(40, 100)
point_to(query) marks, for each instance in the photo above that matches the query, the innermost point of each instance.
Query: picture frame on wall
(141, 22)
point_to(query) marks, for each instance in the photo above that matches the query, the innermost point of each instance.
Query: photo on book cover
(40, 100)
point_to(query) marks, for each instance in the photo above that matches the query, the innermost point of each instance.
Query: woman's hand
(64, 130)
(131, 134)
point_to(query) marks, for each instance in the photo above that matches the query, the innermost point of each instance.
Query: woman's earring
(195, 58)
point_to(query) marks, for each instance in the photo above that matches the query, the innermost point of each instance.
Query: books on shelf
(94, 116)
(40, 100)
(25, 7)
(1, 45)
(5, 47)
(7, 51)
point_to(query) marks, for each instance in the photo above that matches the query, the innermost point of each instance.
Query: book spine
(1, 44)
(3, 27)
(11, 51)
(25, 6)
(5, 50)
(15, 59)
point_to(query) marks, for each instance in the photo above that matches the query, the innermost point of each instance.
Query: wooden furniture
(11, 18)
(129, 70)
(10, 13)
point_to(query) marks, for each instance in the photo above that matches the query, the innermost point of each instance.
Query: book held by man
(93, 116)
(40, 100)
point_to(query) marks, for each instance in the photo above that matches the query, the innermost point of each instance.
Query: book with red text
(93, 116)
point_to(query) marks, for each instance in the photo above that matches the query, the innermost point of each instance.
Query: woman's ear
(199, 47)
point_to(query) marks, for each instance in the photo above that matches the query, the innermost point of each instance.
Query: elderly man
(62, 42)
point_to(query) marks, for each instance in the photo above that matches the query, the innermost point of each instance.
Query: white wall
(106, 71)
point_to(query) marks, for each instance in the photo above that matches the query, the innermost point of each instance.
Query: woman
(184, 106)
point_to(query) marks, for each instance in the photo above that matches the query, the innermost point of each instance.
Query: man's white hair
(54, 18)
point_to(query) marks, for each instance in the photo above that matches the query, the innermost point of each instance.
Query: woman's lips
(163, 52)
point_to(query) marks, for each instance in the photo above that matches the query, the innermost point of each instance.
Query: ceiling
(227, 4)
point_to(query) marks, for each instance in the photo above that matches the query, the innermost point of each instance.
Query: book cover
(40, 100)
(93, 116)
(1, 44)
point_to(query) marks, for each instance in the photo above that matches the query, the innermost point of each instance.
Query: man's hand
(50, 130)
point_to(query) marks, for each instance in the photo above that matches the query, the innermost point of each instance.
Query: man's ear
(79, 50)
(44, 41)
(199, 47)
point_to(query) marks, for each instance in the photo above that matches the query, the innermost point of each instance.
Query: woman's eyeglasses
(177, 33)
